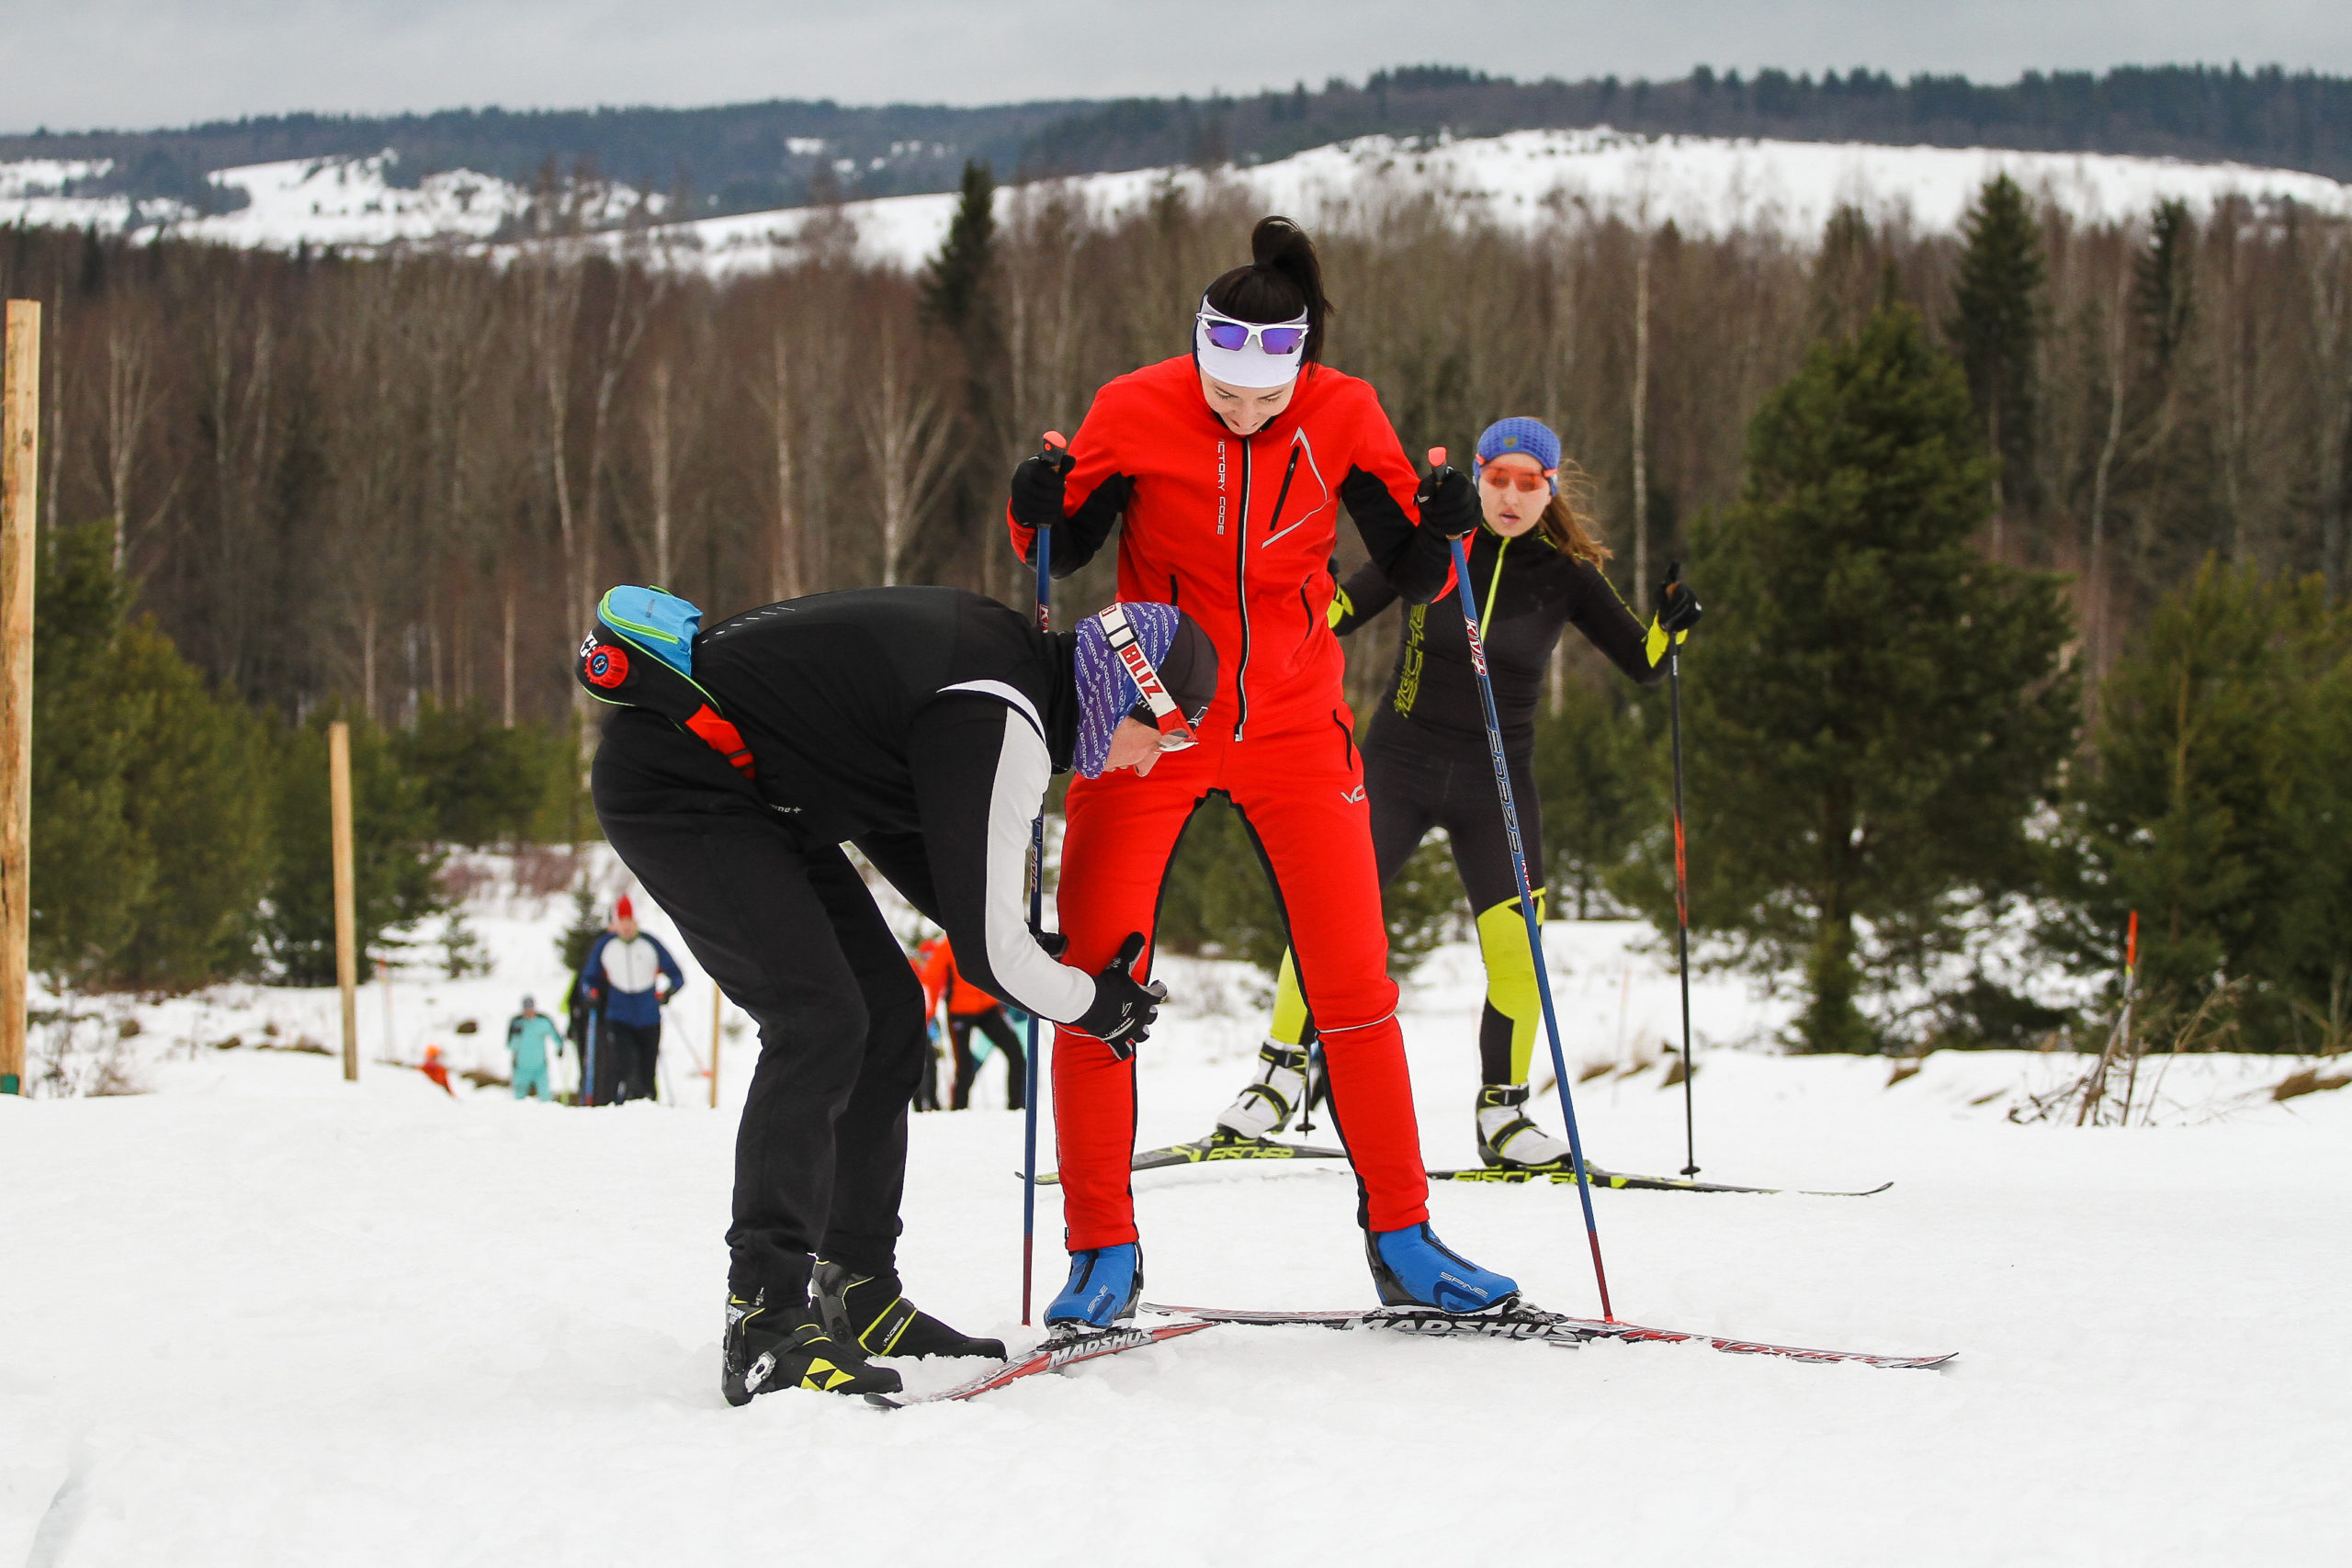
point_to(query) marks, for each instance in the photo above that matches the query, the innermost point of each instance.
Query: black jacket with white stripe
(923, 725)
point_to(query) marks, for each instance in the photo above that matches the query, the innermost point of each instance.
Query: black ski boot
(766, 1349)
(869, 1311)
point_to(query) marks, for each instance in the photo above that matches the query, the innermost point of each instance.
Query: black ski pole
(1526, 888)
(1681, 878)
(1057, 452)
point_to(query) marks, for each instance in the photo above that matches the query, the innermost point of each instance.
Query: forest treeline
(749, 157)
(392, 487)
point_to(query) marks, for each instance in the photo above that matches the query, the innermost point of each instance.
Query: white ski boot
(1507, 1139)
(1272, 1097)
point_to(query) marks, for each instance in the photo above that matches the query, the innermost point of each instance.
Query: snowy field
(1705, 185)
(256, 1316)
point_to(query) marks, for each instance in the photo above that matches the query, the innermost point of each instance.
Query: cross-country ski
(1217, 1149)
(1621, 1181)
(1056, 1353)
(1528, 1324)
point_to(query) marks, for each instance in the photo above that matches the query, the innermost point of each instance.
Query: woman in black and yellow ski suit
(1535, 568)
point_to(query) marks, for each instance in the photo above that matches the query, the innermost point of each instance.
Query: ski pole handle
(1056, 451)
(1437, 475)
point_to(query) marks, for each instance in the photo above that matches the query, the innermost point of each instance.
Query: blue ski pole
(1526, 888)
(1058, 453)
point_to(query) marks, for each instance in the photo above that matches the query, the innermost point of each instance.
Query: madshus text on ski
(924, 727)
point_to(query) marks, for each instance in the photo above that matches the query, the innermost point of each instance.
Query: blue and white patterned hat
(1179, 650)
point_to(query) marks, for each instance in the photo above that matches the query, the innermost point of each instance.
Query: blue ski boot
(1412, 1268)
(1103, 1286)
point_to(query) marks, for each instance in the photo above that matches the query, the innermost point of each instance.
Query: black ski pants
(625, 1056)
(1000, 1030)
(788, 929)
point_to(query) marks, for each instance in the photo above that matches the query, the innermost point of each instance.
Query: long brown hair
(1567, 518)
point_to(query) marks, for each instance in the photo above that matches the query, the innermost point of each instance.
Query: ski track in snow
(256, 1316)
(1524, 179)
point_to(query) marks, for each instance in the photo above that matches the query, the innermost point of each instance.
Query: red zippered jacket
(1237, 532)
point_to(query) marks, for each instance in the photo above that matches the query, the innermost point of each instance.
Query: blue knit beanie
(1521, 436)
(1105, 691)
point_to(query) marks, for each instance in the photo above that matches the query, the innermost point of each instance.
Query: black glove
(1037, 488)
(1123, 1012)
(1054, 943)
(1677, 608)
(1448, 501)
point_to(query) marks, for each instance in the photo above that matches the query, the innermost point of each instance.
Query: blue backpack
(641, 654)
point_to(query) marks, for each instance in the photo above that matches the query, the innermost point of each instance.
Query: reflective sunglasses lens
(1282, 340)
(1182, 739)
(1227, 336)
(1529, 483)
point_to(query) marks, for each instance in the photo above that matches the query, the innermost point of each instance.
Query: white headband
(1251, 364)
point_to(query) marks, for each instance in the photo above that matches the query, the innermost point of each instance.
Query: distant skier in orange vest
(970, 1008)
(437, 1072)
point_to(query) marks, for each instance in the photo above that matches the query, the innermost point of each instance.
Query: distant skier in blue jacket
(622, 982)
(533, 1040)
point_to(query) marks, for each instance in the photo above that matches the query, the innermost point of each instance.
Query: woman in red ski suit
(1229, 466)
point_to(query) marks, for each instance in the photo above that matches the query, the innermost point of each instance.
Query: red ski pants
(1301, 794)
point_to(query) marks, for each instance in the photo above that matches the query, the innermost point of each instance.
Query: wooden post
(718, 1001)
(19, 532)
(347, 915)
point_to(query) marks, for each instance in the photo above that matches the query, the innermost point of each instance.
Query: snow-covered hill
(1526, 179)
(1703, 184)
(349, 202)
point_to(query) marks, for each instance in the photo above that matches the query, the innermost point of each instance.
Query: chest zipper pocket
(1290, 470)
(1347, 738)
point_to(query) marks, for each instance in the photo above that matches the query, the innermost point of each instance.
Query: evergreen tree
(1873, 710)
(486, 782)
(587, 924)
(2172, 487)
(1847, 274)
(2217, 802)
(1599, 787)
(394, 851)
(149, 844)
(1997, 326)
(959, 296)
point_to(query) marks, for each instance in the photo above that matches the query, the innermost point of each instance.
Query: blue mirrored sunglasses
(1232, 336)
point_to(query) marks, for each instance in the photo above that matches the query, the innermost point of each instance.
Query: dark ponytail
(1283, 278)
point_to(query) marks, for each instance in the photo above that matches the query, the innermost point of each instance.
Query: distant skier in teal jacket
(532, 1038)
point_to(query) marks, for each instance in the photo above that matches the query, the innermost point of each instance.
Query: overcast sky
(138, 64)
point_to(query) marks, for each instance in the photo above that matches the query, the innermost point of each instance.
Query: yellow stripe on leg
(1290, 1006)
(1511, 976)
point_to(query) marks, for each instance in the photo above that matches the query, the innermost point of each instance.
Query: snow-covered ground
(255, 1315)
(1705, 185)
